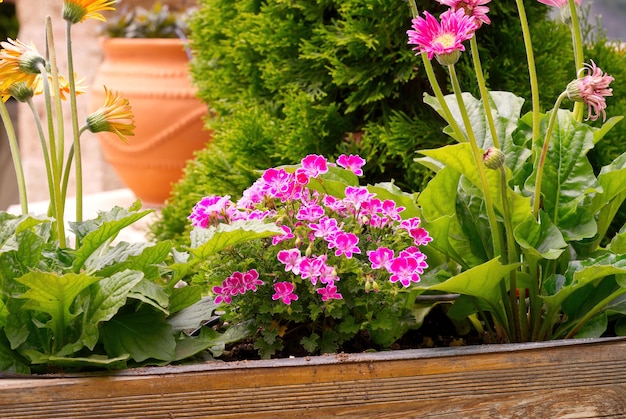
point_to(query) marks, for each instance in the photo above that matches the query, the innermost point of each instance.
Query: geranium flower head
(329, 292)
(354, 163)
(284, 292)
(114, 116)
(314, 165)
(442, 40)
(591, 89)
(473, 8)
(76, 11)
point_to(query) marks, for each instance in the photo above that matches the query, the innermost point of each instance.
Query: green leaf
(54, 294)
(94, 233)
(192, 317)
(389, 191)
(143, 257)
(94, 360)
(10, 361)
(540, 239)
(594, 328)
(207, 242)
(482, 282)
(567, 177)
(105, 299)
(143, 334)
(184, 297)
(605, 128)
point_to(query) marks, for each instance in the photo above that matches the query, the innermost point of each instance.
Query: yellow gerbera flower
(114, 116)
(18, 63)
(76, 11)
(64, 86)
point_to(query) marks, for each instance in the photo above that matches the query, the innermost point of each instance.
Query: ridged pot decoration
(153, 75)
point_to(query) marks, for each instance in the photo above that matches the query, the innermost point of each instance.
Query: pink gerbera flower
(558, 3)
(591, 89)
(443, 40)
(474, 8)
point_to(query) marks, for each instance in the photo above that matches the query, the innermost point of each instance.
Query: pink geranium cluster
(321, 232)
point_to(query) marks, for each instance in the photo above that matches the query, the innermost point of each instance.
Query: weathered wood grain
(572, 379)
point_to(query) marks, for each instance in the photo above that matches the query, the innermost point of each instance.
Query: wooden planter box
(573, 379)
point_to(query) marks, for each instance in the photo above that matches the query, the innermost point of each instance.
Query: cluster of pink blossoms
(311, 220)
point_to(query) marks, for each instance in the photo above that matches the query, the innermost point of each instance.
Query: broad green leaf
(143, 257)
(389, 191)
(54, 294)
(606, 127)
(567, 175)
(209, 339)
(106, 298)
(482, 282)
(152, 294)
(94, 360)
(334, 182)
(10, 361)
(207, 242)
(11, 225)
(618, 243)
(459, 158)
(183, 297)
(143, 334)
(586, 272)
(192, 317)
(95, 233)
(540, 239)
(594, 328)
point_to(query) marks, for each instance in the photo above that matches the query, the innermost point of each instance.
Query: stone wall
(98, 175)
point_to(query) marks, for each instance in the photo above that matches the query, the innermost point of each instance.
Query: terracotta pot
(572, 378)
(153, 75)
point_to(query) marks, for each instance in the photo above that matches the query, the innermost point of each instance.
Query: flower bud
(493, 158)
(448, 59)
(21, 91)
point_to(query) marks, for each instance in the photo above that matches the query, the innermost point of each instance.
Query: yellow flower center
(447, 40)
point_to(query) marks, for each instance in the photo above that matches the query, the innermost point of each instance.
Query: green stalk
(484, 93)
(15, 155)
(480, 167)
(544, 153)
(75, 130)
(577, 41)
(46, 155)
(532, 72)
(56, 169)
(595, 310)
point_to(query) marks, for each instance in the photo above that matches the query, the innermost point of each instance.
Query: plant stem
(484, 93)
(544, 153)
(46, 155)
(75, 131)
(56, 167)
(532, 72)
(577, 42)
(15, 155)
(480, 167)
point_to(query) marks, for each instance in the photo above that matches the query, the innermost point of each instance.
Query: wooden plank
(580, 379)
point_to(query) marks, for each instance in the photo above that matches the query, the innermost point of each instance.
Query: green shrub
(292, 78)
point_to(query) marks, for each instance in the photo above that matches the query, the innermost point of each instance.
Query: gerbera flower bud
(474, 8)
(591, 89)
(493, 158)
(115, 116)
(21, 91)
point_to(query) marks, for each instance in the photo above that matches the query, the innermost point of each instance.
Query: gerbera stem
(46, 154)
(484, 93)
(532, 72)
(56, 168)
(15, 155)
(75, 130)
(480, 167)
(577, 41)
(542, 156)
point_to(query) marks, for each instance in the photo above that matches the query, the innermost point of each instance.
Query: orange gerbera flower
(114, 116)
(77, 11)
